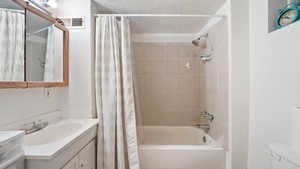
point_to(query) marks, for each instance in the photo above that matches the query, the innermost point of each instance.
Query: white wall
(275, 86)
(239, 83)
(78, 97)
(19, 104)
(74, 101)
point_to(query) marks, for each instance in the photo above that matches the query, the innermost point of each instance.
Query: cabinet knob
(81, 165)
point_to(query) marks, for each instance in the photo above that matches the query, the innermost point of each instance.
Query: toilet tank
(284, 157)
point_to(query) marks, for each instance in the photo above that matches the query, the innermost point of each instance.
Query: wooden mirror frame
(59, 25)
(16, 84)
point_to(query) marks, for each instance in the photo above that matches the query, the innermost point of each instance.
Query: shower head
(198, 41)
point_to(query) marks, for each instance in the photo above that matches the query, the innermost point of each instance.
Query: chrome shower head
(196, 42)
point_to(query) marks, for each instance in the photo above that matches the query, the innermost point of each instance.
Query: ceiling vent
(74, 23)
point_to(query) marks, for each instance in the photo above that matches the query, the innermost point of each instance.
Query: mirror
(12, 42)
(34, 47)
(44, 50)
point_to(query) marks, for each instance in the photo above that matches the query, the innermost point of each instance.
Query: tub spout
(204, 126)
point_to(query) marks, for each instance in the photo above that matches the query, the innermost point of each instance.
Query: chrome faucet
(205, 116)
(35, 126)
(203, 126)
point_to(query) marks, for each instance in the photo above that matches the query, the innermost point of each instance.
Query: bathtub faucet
(205, 125)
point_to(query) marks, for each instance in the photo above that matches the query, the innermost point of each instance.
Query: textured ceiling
(167, 24)
(163, 24)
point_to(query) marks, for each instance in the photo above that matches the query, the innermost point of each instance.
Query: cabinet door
(87, 156)
(73, 164)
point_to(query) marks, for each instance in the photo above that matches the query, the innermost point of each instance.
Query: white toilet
(284, 157)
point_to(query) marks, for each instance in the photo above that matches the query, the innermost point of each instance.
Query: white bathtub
(164, 147)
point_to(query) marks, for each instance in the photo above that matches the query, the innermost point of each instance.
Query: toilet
(284, 157)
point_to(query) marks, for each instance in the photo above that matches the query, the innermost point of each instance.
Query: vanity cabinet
(73, 164)
(76, 151)
(85, 159)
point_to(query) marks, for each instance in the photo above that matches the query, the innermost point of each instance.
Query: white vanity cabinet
(68, 144)
(86, 158)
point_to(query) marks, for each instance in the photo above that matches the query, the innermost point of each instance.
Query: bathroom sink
(52, 133)
(48, 142)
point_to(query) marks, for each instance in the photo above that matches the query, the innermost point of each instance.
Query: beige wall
(169, 93)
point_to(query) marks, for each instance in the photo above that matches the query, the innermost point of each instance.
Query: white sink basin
(46, 143)
(52, 133)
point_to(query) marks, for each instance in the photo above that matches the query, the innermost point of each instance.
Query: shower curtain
(115, 102)
(12, 28)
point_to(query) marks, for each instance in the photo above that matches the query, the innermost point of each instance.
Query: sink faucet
(35, 126)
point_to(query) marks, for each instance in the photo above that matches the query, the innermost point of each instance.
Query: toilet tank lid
(286, 152)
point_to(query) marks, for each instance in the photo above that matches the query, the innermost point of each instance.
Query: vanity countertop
(11, 147)
(6, 136)
(55, 138)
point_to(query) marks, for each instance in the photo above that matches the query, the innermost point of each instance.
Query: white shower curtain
(117, 136)
(12, 26)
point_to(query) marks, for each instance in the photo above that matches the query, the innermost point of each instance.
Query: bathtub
(163, 147)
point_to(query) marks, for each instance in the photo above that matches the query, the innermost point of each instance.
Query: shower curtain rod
(160, 15)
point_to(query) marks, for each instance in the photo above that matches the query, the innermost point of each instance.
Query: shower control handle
(207, 116)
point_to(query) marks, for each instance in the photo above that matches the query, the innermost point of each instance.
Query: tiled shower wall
(169, 86)
(216, 82)
(174, 86)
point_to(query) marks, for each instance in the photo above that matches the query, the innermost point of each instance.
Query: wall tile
(175, 94)
(171, 90)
